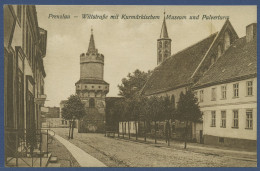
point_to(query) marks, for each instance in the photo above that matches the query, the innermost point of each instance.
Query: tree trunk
(136, 131)
(72, 129)
(169, 133)
(144, 131)
(128, 130)
(185, 144)
(69, 128)
(118, 130)
(155, 140)
(123, 129)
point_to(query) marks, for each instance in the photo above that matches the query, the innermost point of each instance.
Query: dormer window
(227, 40)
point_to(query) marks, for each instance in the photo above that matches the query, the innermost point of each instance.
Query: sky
(127, 45)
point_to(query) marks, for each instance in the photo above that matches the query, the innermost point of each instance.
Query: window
(219, 51)
(160, 44)
(223, 119)
(235, 118)
(86, 86)
(223, 92)
(249, 119)
(160, 57)
(221, 140)
(91, 102)
(249, 88)
(212, 60)
(235, 90)
(201, 95)
(227, 40)
(213, 118)
(213, 94)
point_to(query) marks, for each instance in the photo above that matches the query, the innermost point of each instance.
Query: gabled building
(179, 72)
(228, 95)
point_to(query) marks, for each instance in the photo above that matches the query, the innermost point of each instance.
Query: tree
(113, 113)
(133, 83)
(168, 114)
(73, 109)
(188, 110)
(155, 112)
(121, 112)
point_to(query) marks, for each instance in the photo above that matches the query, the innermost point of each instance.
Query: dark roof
(177, 70)
(164, 33)
(91, 81)
(91, 46)
(238, 62)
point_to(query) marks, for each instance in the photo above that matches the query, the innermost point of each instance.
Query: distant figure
(167, 131)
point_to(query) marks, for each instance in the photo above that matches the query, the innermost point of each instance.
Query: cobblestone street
(116, 152)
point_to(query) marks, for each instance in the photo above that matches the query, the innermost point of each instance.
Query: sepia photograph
(130, 85)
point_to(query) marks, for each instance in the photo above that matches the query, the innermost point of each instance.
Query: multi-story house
(227, 95)
(24, 50)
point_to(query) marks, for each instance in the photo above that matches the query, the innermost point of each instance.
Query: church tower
(92, 89)
(163, 44)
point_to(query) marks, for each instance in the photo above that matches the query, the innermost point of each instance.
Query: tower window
(86, 86)
(91, 102)
(99, 86)
(160, 44)
(92, 86)
(160, 57)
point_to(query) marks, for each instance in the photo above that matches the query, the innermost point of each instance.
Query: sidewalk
(197, 148)
(83, 158)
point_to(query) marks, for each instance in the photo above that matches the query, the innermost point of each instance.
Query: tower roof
(164, 33)
(91, 46)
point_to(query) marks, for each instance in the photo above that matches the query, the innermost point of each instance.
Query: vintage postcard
(130, 85)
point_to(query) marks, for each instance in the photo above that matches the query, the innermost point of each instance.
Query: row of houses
(24, 51)
(222, 72)
(52, 118)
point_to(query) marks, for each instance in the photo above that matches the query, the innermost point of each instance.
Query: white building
(227, 94)
(126, 128)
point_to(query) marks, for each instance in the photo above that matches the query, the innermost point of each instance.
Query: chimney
(250, 32)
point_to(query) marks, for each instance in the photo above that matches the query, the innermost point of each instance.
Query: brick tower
(92, 89)
(163, 44)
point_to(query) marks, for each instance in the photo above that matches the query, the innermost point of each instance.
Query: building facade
(92, 89)
(188, 68)
(51, 117)
(24, 50)
(228, 95)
